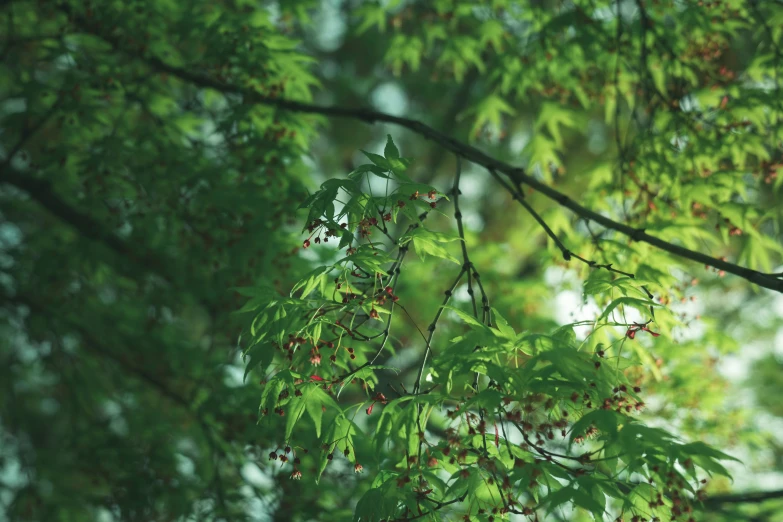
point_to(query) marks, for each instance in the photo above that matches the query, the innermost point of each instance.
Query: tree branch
(742, 498)
(468, 152)
(41, 192)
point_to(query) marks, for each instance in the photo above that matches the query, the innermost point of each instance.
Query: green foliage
(172, 348)
(532, 387)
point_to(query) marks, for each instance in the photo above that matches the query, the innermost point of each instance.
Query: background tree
(604, 174)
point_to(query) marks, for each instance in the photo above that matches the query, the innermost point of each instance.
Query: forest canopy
(391, 260)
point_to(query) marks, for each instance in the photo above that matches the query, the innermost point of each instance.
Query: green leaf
(253, 304)
(469, 319)
(378, 160)
(388, 421)
(503, 325)
(317, 400)
(374, 169)
(296, 409)
(558, 498)
(329, 436)
(315, 279)
(642, 305)
(377, 504)
(706, 457)
(271, 392)
(259, 355)
(426, 243)
(551, 116)
(391, 151)
(490, 111)
(594, 503)
(606, 421)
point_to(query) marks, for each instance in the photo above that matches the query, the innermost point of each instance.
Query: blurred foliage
(151, 182)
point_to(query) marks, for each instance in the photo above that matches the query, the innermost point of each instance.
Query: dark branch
(742, 498)
(516, 174)
(41, 192)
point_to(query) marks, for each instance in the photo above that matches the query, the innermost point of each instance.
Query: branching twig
(567, 254)
(431, 329)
